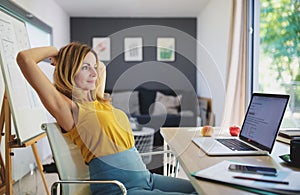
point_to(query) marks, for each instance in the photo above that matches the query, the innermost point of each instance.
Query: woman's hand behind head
(53, 60)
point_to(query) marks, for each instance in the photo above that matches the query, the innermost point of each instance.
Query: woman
(103, 133)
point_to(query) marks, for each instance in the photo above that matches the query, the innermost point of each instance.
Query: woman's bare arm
(56, 103)
(102, 77)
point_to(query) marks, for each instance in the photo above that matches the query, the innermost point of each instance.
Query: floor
(32, 184)
(26, 186)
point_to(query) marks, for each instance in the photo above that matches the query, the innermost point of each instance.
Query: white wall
(212, 34)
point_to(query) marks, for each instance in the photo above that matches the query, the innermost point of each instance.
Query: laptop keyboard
(235, 145)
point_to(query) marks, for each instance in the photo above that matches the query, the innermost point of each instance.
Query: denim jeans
(128, 168)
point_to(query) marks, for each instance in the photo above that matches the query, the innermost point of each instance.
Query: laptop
(259, 130)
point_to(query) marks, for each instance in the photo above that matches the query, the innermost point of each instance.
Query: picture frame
(133, 49)
(101, 46)
(165, 49)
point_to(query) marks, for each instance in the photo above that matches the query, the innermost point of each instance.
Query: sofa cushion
(166, 104)
(128, 101)
(158, 121)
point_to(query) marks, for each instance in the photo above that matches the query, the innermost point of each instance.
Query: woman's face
(87, 75)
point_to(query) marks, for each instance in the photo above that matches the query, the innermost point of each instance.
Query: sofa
(158, 108)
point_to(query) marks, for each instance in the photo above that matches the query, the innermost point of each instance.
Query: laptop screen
(263, 119)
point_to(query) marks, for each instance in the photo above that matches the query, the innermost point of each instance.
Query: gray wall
(180, 74)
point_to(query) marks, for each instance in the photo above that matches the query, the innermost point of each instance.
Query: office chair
(72, 171)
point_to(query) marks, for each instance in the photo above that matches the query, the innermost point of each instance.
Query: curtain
(234, 109)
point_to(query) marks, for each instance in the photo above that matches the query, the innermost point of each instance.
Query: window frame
(250, 49)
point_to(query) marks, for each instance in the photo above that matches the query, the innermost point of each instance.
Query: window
(38, 37)
(276, 52)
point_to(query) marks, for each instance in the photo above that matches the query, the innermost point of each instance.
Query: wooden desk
(192, 158)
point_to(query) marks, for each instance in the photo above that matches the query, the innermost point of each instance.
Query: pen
(262, 180)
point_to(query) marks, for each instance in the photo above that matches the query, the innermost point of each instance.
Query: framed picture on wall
(165, 49)
(101, 45)
(133, 49)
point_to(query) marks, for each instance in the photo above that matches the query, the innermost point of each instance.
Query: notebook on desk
(259, 130)
(285, 182)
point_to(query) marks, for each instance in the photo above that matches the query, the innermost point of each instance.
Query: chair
(70, 166)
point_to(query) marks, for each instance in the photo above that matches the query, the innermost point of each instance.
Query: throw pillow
(128, 101)
(166, 104)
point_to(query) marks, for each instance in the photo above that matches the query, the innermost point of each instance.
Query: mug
(295, 151)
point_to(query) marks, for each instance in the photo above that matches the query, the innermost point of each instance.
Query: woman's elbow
(21, 58)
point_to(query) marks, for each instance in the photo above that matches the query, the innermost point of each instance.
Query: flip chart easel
(12, 142)
(20, 103)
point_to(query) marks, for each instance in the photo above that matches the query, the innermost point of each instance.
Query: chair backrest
(68, 159)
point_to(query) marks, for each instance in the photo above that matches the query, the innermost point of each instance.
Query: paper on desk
(220, 173)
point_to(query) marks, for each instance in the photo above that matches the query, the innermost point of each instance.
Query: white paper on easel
(26, 109)
(220, 173)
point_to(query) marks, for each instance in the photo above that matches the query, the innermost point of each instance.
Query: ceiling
(132, 8)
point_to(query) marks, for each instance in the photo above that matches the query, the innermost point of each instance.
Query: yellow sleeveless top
(101, 130)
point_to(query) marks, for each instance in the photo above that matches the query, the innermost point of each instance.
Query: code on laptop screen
(263, 119)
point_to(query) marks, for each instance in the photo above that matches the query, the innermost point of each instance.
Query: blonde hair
(68, 63)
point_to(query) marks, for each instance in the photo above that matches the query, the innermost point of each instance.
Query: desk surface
(192, 158)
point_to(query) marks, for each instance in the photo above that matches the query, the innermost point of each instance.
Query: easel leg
(39, 166)
(5, 118)
(8, 164)
(2, 119)
(2, 169)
